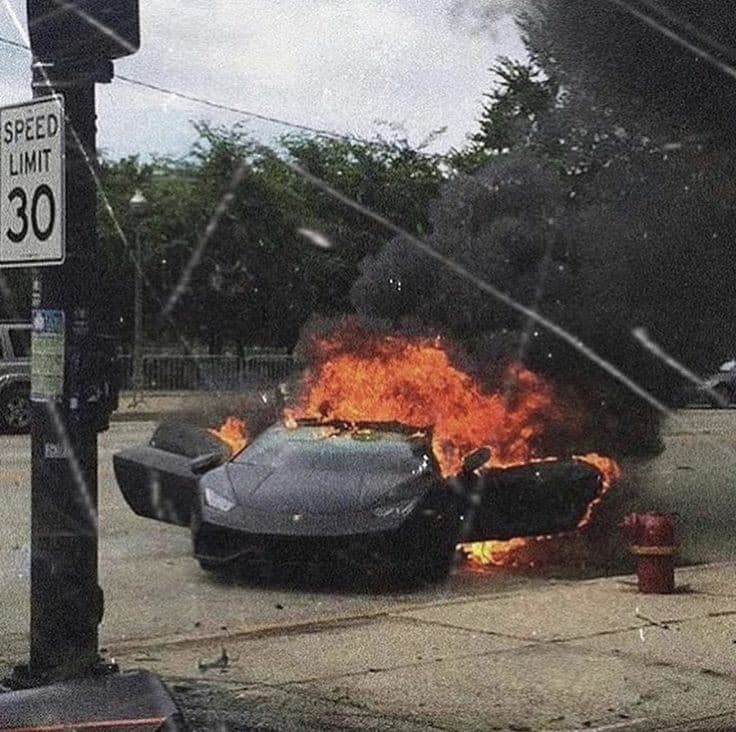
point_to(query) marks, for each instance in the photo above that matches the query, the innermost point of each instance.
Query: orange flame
(234, 433)
(365, 376)
(609, 469)
(413, 381)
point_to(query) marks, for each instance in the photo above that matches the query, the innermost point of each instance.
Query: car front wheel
(15, 409)
(423, 552)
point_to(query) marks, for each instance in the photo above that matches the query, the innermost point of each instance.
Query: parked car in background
(717, 390)
(15, 376)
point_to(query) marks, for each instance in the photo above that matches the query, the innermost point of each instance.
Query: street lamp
(138, 207)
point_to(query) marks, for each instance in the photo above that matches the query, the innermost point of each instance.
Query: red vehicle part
(652, 542)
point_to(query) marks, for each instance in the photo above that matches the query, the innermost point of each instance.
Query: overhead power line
(238, 110)
(8, 42)
(322, 132)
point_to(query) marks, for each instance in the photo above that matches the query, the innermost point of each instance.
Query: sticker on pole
(47, 355)
(32, 198)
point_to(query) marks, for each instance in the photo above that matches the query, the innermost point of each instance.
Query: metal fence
(209, 373)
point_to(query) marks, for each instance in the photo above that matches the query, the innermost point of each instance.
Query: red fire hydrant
(652, 541)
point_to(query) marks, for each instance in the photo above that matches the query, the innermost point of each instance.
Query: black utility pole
(73, 375)
(66, 601)
(73, 389)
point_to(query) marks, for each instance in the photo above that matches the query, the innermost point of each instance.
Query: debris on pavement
(651, 621)
(221, 663)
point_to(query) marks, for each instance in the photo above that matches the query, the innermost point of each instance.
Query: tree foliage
(252, 274)
(639, 58)
(521, 96)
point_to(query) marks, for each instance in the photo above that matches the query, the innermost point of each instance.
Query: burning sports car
(373, 490)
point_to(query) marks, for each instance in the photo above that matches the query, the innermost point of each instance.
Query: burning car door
(539, 498)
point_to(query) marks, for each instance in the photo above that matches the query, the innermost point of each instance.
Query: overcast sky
(346, 65)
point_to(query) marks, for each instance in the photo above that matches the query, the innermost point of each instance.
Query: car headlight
(398, 509)
(217, 500)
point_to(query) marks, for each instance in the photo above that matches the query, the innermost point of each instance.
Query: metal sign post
(64, 431)
(48, 217)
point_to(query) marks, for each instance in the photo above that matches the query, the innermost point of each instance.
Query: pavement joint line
(614, 631)
(706, 566)
(708, 593)
(641, 660)
(627, 723)
(450, 626)
(687, 724)
(267, 631)
(297, 628)
(535, 639)
(423, 663)
(538, 640)
(483, 597)
(722, 595)
(676, 622)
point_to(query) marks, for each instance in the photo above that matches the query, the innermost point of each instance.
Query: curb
(140, 416)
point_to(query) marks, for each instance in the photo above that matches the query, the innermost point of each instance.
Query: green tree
(251, 274)
(522, 94)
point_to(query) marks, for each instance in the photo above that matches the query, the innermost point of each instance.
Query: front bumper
(222, 538)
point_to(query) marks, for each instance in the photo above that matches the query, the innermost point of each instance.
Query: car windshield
(325, 448)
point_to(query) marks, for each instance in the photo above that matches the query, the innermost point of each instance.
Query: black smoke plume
(647, 247)
(626, 54)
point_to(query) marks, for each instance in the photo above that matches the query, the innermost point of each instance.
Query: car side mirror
(476, 459)
(203, 463)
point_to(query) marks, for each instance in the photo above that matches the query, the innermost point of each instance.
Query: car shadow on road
(337, 576)
(344, 576)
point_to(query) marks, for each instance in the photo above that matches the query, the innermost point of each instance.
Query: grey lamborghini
(373, 492)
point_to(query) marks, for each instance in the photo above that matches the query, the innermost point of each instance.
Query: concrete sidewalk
(591, 655)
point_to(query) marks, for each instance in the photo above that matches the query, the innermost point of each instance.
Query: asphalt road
(156, 592)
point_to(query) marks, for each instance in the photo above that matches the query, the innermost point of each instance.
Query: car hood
(316, 490)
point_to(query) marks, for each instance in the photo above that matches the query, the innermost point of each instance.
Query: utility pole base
(128, 702)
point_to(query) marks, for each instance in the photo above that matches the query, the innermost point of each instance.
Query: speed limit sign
(32, 201)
